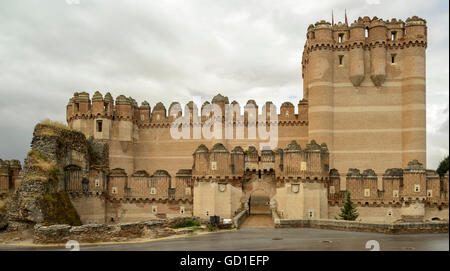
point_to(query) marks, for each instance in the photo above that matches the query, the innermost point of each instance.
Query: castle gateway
(359, 127)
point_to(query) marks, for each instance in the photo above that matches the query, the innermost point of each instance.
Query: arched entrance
(260, 215)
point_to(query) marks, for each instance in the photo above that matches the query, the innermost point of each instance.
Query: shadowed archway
(260, 215)
(259, 203)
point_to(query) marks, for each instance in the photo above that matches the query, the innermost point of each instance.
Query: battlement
(293, 162)
(395, 186)
(10, 175)
(118, 185)
(80, 106)
(366, 30)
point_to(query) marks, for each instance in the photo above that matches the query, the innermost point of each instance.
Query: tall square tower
(365, 86)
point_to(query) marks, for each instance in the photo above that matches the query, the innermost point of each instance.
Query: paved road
(279, 239)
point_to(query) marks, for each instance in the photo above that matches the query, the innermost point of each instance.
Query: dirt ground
(258, 221)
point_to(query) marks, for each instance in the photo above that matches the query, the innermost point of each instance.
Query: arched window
(367, 32)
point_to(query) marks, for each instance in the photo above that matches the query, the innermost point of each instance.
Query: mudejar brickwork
(361, 127)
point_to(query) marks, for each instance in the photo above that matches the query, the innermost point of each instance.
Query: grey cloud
(173, 50)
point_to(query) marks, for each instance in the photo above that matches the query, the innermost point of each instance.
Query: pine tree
(443, 167)
(348, 212)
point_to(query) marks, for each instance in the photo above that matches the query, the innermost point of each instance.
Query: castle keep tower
(365, 87)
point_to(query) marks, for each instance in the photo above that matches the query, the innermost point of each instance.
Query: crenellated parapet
(216, 162)
(117, 185)
(362, 186)
(396, 186)
(184, 185)
(293, 162)
(10, 175)
(366, 32)
(81, 107)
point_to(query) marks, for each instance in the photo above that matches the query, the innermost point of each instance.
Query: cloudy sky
(174, 50)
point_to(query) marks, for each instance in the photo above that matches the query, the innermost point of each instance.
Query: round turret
(220, 99)
(293, 147)
(83, 96)
(416, 27)
(219, 147)
(97, 96)
(323, 31)
(175, 109)
(161, 173)
(108, 97)
(159, 106)
(133, 102)
(121, 99)
(357, 31)
(251, 102)
(313, 146)
(287, 104)
(201, 149)
(145, 105)
(237, 150)
(377, 30)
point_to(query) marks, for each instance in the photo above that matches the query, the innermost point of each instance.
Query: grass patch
(58, 209)
(211, 227)
(54, 173)
(48, 127)
(35, 155)
(46, 169)
(187, 223)
(197, 228)
(57, 124)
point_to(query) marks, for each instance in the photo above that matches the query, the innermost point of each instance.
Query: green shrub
(187, 223)
(211, 227)
(54, 173)
(197, 228)
(443, 167)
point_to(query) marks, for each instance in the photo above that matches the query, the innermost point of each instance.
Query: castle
(360, 127)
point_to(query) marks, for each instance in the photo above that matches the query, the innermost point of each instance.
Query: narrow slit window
(367, 32)
(393, 56)
(341, 60)
(99, 125)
